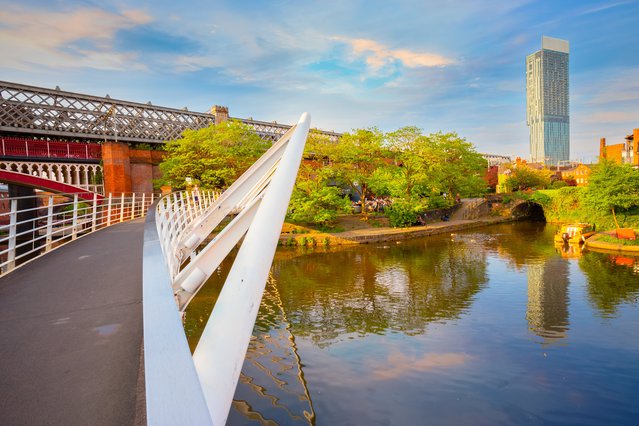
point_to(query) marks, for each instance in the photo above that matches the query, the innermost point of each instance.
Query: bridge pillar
(117, 167)
(27, 212)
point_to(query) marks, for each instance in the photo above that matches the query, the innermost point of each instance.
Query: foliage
(320, 205)
(524, 177)
(213, 156)
(455, 166)
(613, 187)
(540, 198)
(356, 158)
(403, 212)
(314, 199)
(568, 205)
(558, 184)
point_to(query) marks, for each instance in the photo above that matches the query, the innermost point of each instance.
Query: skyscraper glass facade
(547, 102)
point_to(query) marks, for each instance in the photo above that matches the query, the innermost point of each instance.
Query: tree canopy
(524, 177)
(613, 186)
(213, 156)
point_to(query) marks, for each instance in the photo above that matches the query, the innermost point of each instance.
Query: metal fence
(34, 225)
(174, 216)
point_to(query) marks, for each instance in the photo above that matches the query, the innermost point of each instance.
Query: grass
(614, 240)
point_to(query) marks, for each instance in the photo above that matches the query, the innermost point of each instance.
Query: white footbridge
(198, 389)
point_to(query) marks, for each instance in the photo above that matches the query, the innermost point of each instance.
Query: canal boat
(574, 233)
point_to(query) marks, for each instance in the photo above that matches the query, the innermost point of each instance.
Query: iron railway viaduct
(92, 142)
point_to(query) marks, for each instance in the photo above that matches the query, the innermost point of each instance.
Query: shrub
(402, 213)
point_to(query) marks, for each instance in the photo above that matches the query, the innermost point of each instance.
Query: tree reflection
(379, 289)
(611, 281)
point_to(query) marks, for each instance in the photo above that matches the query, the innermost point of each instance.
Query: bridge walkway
(71, 334)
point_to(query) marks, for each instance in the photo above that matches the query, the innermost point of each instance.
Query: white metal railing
(198, 389)
(34, 225)
(175, 215)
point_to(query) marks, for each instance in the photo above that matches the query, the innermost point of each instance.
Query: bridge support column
(117, 167)
(26, 229)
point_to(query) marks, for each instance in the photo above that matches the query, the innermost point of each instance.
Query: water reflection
(374, 290)
(612, 280)
(439, 328)
(547, 308)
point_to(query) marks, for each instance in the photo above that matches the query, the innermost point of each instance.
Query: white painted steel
(58, 220)
(190, 279)
(179, 392)
(173, 392)
(220, 353)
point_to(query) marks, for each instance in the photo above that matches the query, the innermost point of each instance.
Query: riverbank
(596, 243)
(299, 236)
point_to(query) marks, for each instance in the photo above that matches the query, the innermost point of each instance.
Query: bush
(402, 213)
(319, 206)
(558, 184)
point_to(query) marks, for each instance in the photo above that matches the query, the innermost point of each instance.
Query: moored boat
(574, 233)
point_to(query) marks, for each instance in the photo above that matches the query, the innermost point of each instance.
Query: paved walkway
(71, 334)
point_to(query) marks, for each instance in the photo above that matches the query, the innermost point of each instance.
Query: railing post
(49, 236)
(142, 209)
(26, 147)
(74, 230)
(94, 215)
(48, 150)
(133, 206)
(109, 210)
(13, 220)
(122, 208)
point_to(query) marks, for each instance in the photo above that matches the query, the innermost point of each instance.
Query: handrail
(31, 226)
(181, 390)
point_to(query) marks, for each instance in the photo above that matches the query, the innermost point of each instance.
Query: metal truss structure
(39, 111)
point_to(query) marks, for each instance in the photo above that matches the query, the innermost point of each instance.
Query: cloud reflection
(399, 364)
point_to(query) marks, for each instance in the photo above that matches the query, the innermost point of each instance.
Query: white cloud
(378, 56)
(30, 39)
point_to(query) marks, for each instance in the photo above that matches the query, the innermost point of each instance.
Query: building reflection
(547, 308)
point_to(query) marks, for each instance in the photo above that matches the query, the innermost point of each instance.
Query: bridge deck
(71, 333)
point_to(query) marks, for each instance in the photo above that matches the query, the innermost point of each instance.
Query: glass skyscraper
(547, 103)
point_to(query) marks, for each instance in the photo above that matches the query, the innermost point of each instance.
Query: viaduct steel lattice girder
(52, 112)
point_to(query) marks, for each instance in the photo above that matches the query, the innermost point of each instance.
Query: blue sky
(449, 65)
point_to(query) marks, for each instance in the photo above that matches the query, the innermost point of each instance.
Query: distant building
(580, 174)
(496, 160)
(547, 102)
(622, 153)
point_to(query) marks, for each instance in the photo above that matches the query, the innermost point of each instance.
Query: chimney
(221, 113)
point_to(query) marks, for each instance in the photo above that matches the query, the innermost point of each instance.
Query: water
(491, 326)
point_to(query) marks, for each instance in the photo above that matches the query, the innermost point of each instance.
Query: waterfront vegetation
(409, 171)
(613, 192)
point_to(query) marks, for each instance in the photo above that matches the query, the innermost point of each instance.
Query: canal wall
(376, 235)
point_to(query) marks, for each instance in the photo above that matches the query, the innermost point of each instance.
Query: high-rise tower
(547, 103)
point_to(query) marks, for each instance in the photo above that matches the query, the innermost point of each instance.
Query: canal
(490, 326)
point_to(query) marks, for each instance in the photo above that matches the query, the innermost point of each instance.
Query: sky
(441, 65)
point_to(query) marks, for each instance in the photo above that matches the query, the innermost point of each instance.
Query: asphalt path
(71, 333)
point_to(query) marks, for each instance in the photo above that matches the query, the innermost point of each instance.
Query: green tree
(314, 198)
(524, 177)
(356, 158)
(213, 156)
(613, 188)
(455, 165)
